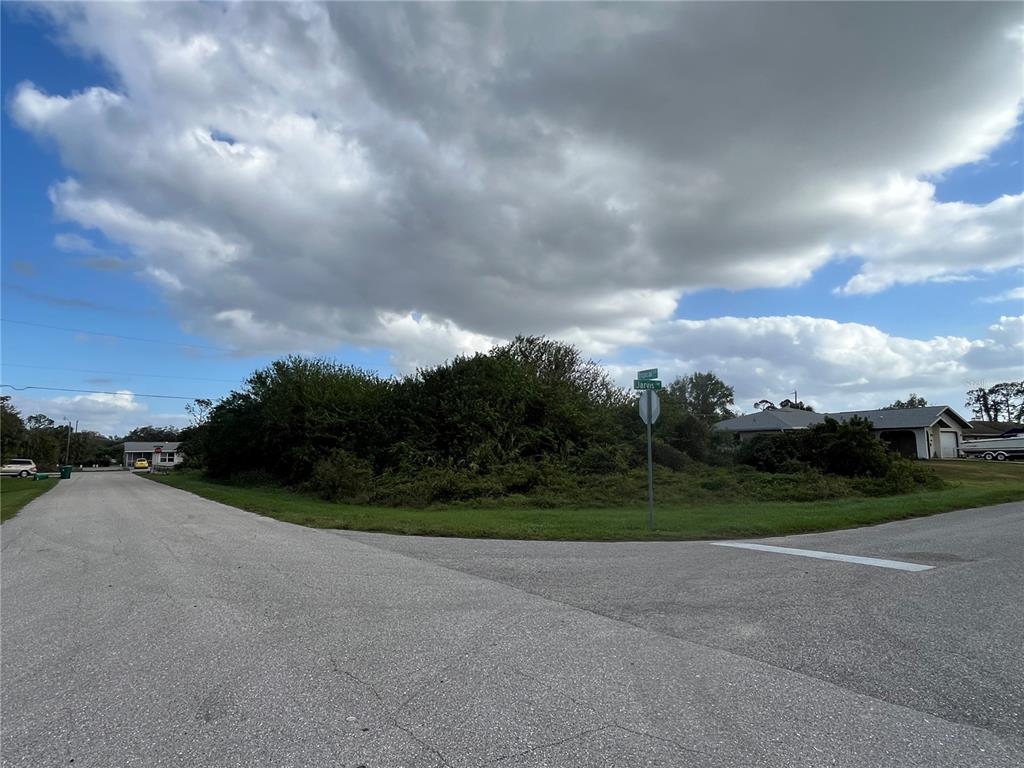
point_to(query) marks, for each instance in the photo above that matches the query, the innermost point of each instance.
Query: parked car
(141, 464)
(19, 467)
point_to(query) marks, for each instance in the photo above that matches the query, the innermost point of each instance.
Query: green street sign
(646, 384)
(650, 373)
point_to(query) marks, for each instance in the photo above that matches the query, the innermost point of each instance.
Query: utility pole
(67, 451)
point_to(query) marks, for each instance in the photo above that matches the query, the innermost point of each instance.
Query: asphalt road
(145, 626)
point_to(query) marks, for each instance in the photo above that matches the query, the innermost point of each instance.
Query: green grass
(16, 492)
(968, 484)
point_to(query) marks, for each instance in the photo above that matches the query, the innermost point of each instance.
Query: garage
(903, 441)
(948, 444)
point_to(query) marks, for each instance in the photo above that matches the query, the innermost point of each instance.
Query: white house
(932, 432)
(158, 454)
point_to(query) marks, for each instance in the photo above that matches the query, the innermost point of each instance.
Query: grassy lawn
(16, 492)
(968, 484)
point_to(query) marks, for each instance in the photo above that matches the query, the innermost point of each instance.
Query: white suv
(19, 467)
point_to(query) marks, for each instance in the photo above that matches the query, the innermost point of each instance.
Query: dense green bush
(847, 448)
(783, 452)
(843, 448)
(341, 476)
(602, 460)
(666, 455)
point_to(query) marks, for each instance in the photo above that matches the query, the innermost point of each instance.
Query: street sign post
(650, 407)
(642, 384)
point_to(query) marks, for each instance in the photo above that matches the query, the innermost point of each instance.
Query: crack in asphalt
(391, 713)
(549, 744)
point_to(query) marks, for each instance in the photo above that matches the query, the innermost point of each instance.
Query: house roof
(905, 418)
(779, 419)
(773, 420)
(139, 447)
(992, 428)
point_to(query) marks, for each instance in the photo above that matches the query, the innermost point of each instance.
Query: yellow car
(141, 464)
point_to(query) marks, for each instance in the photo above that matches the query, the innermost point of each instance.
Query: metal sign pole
(650, 463)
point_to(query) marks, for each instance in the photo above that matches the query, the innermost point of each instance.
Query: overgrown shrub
(602, 460)
(341, 476)
(777, 453)
(668, 456)
(845, 448)
(688, 434)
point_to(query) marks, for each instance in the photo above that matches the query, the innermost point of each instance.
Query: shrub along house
(924, 433)
(157, 454)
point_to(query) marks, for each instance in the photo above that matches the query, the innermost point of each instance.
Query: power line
(117, 336)
(117, 373)
(99, 392)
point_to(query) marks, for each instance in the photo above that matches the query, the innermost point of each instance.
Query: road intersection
(146, 626)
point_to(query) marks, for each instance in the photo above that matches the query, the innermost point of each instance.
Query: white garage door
(947, 441)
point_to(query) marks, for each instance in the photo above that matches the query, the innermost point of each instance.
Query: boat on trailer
(994, 449)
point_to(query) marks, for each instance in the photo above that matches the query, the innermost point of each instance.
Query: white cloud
(69, 241)
(107, 413)
(836, 365)
(1013, 294)
(294, 176)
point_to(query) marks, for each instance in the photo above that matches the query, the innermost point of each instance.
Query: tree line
(49, 444)
(498, 420)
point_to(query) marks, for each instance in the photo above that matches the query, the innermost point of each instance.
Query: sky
(821, 198)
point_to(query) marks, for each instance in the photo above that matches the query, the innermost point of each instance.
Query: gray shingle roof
(773, 420)
(904, 418)
(793, 418)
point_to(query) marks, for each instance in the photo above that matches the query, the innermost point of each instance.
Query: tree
(703, 395)
(44, 440)
(194, 436)
(12, 429)
(797, 404)
(1000, 402)
(914, 401)
(151, 434)
(768, 405)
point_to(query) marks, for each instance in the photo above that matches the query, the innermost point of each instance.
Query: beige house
(932, 432)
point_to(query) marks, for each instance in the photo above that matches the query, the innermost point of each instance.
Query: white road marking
(896, 564)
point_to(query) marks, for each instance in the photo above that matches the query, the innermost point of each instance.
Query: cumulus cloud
(836, 365)
(430, 176)
(109, 414)
(1013, 294)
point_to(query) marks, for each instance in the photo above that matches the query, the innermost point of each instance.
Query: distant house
(158, 454)
(980, 430)
(924, 433)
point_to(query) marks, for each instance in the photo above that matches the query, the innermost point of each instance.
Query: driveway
(145, 626)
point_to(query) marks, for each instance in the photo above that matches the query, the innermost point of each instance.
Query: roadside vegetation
(16, 492)
(699, 503)
(531, 440)
(530, 419)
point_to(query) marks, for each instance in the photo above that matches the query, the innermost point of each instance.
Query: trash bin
(65, 471)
